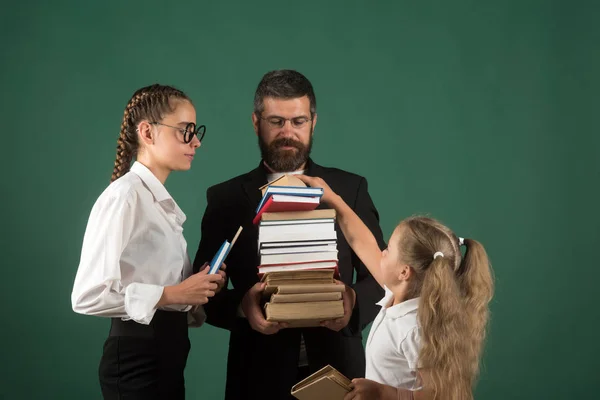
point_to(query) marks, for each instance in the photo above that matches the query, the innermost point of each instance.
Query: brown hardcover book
(311, 311)
(325, 384)
(318, 288)
(315, 266)
(305, 297)
(297, 278)
(302, 285)
(301, 274)
(285, 180)
(281, 282)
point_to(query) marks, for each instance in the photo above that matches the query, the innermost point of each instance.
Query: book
(222, 254)
(290, 286)
(305, 297)
(298, 258)
(309, 313)
(288, 229)
(319, 288)
(307, 236)
(297, 249)
(290, 191)
(326, 213)
(325, 384)
(317, 274)
(284, 180)
(307, 281)
(281, 202)
(289, 222)
(273, 245)
(312, 266)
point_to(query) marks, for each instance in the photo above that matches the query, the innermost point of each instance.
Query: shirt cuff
(196, 316)
(141, 300)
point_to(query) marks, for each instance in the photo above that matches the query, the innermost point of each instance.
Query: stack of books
(298, 254)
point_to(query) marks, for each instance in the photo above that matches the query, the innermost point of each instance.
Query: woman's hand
(195, 290)
(221, 272)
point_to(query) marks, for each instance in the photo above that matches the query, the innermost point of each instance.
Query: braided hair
(148, 103)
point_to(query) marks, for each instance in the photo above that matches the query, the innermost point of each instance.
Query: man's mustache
(283, 142)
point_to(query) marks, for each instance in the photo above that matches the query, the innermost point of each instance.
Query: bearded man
(266, 359)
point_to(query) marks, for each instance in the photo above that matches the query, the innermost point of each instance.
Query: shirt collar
(275, 175)
(157, 189)
(398, 310)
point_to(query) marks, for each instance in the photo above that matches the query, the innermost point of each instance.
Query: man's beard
(280, 160)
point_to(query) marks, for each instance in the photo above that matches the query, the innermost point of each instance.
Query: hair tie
(461, 241)
(438, 254)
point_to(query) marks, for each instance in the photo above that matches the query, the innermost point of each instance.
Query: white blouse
(132, 248)
(393, 344)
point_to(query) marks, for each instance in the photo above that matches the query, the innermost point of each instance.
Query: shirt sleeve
(410, 347)
(98, 288)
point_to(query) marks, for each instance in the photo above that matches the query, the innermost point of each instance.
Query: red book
(282, 203)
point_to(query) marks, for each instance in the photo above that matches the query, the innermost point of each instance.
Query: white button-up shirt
(393, 344)
(132, 248)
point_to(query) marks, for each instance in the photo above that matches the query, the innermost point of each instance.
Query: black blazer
(251, 354)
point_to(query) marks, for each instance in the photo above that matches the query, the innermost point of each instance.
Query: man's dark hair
(284, 84)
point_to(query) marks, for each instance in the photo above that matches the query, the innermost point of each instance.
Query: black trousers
(265, 367)
(145, 361)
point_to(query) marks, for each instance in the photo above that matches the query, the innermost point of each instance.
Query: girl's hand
(365, 389)
(329, 196)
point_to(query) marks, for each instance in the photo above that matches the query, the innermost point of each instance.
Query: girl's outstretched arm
(357, 234)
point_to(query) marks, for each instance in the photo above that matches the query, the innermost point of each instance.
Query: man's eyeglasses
(188, 133)
(279, 122)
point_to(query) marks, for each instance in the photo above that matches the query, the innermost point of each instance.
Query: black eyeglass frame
(188, 132)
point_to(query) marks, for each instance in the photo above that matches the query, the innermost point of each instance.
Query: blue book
(222, 254)
(289, 191)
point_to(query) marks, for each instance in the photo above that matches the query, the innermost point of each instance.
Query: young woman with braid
(427, 340)
(134, 266)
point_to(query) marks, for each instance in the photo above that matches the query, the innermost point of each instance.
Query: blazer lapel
(312, 169)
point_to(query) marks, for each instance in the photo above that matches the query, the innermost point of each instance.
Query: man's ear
(145, 134)
(255, 122)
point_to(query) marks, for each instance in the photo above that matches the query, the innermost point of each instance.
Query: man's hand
(253, 312)
(349, 299)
